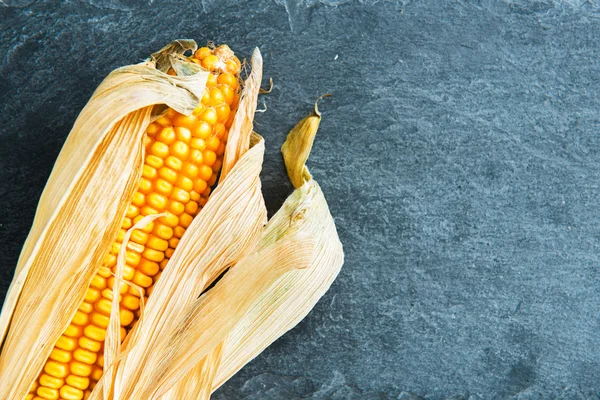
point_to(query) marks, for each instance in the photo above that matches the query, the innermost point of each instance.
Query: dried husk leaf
(79, 213)
(294, 294)
(242, 122)
(113, 339)
(296, 148)
(224, 231)
(198, 382)
(209, 319)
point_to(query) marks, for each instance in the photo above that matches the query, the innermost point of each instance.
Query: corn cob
(183, 157)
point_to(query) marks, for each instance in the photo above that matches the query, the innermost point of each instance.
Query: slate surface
(459, 155)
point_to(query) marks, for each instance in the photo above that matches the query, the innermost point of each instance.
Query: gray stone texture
(459, 154)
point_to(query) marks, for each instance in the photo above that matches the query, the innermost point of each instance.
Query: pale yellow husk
(266, 293)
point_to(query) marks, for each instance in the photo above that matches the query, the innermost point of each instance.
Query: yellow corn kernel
(209, 157)
(66, 343)
(85, 356)
(80, 369)
(96, 374)
(157, 244)
(51, 382)
(132, 211)
(168, 174)
(70, 393)
(157, 201)
(211, 182)
(148, 267)
(200, 185)
(180, 195)
(148, 172)
(154, 161)
(180, 150)
(99, 320)
(174, 163)
(190, 171)
(62, 356)
(209, 116)
(183, 133)
(143, 280)
(89, 344)
(166, 136)
(73, 331)
(176, 207)
(186, 121)
(185, 220)
(91, 296)
(173, 242)
(125, 317)
(164, 121)
(139, 237)
(104, 271)
(56, 369)
(98, 282)
(212, 143)
(131, 302)
(47, 393)
(198, 145)
(186, 184)
(178, 231)
(170, 219)
(205, 173)
(95, 333)
(145, 187)
(159, 149)
(163, 187)
(163, 231)
(203, 130)
(78, 382)
(191, 208)
(163, 263)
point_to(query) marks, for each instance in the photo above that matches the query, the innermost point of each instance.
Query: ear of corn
(130, 181)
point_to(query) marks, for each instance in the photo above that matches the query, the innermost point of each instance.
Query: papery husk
(226, 229)
(81, 209)
(263, 296)
(209, 319)
(289, 299)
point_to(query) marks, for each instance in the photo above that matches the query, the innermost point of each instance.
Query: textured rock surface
(459, 155)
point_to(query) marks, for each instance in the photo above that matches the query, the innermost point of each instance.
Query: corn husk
(265, 294)
(291, 297)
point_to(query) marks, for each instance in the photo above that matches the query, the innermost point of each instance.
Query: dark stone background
(459, 155)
